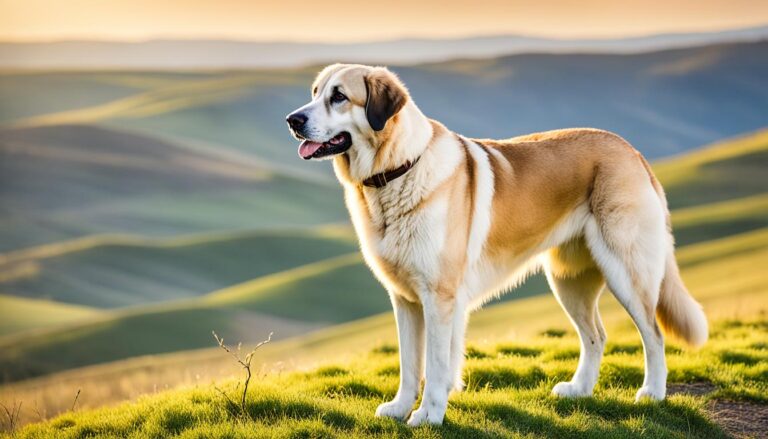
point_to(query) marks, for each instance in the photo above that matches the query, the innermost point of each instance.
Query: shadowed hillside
(79, 166)
(727, 170)
(662, 102)
(114, 272)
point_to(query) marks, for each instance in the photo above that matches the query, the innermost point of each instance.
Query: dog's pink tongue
(308, 147)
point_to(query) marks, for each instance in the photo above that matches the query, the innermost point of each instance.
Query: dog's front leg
(410, 329)
(438, 318)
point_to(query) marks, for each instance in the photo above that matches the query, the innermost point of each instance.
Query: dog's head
(350, 108)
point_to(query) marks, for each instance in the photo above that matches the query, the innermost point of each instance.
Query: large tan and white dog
(447, 222)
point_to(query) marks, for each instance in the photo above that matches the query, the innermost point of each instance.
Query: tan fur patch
(570, 259)
(353, 84)
(533, 191)
(463, 186)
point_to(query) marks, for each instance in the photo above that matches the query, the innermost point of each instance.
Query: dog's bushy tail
(678, 312)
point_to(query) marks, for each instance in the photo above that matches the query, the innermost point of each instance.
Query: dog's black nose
(296, 120)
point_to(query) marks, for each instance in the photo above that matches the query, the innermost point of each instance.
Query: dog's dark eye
(337, 97)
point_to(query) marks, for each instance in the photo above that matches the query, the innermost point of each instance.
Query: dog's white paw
(568, 389)
(394, 409)
(654, 394)
(423, 416)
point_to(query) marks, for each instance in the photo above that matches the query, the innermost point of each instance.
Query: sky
(365, 20)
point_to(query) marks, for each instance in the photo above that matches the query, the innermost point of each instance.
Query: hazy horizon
(182, 38)
(339, 21)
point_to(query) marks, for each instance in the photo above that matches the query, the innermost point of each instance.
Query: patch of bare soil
(696, 389)
(739, 419)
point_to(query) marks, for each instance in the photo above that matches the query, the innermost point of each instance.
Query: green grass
(507, 395)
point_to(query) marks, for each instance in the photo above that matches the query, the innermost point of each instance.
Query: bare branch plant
(75, 401)
(12, 415)
(245, 363)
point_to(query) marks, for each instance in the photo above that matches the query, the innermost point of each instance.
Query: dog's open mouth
(336, 145)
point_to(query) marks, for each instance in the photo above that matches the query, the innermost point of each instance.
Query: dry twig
(40, 417)
(245, 362)
(75, 401)
(12, 415)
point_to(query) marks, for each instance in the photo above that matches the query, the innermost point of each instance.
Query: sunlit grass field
(507, 394)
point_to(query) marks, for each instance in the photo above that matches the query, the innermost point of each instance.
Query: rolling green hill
(232, 121)
(717, 190)
(339, 289)
(727, 170)
(65, 181)
(114, 272)
(715, 220)
(18, 314)
(33, 94)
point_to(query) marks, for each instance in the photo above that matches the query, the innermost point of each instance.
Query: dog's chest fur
(405, 239)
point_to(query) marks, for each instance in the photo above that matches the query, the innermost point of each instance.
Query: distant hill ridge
(214, 54)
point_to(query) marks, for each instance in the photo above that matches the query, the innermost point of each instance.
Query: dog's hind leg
(577, 284)
(629, 241)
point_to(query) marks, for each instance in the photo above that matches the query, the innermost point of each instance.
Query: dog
(447, 222)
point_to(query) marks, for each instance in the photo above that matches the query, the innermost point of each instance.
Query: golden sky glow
(364, 20)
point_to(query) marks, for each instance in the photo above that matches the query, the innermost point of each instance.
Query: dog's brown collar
(381, 180)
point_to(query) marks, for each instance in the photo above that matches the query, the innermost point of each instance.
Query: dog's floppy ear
(386, 95)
